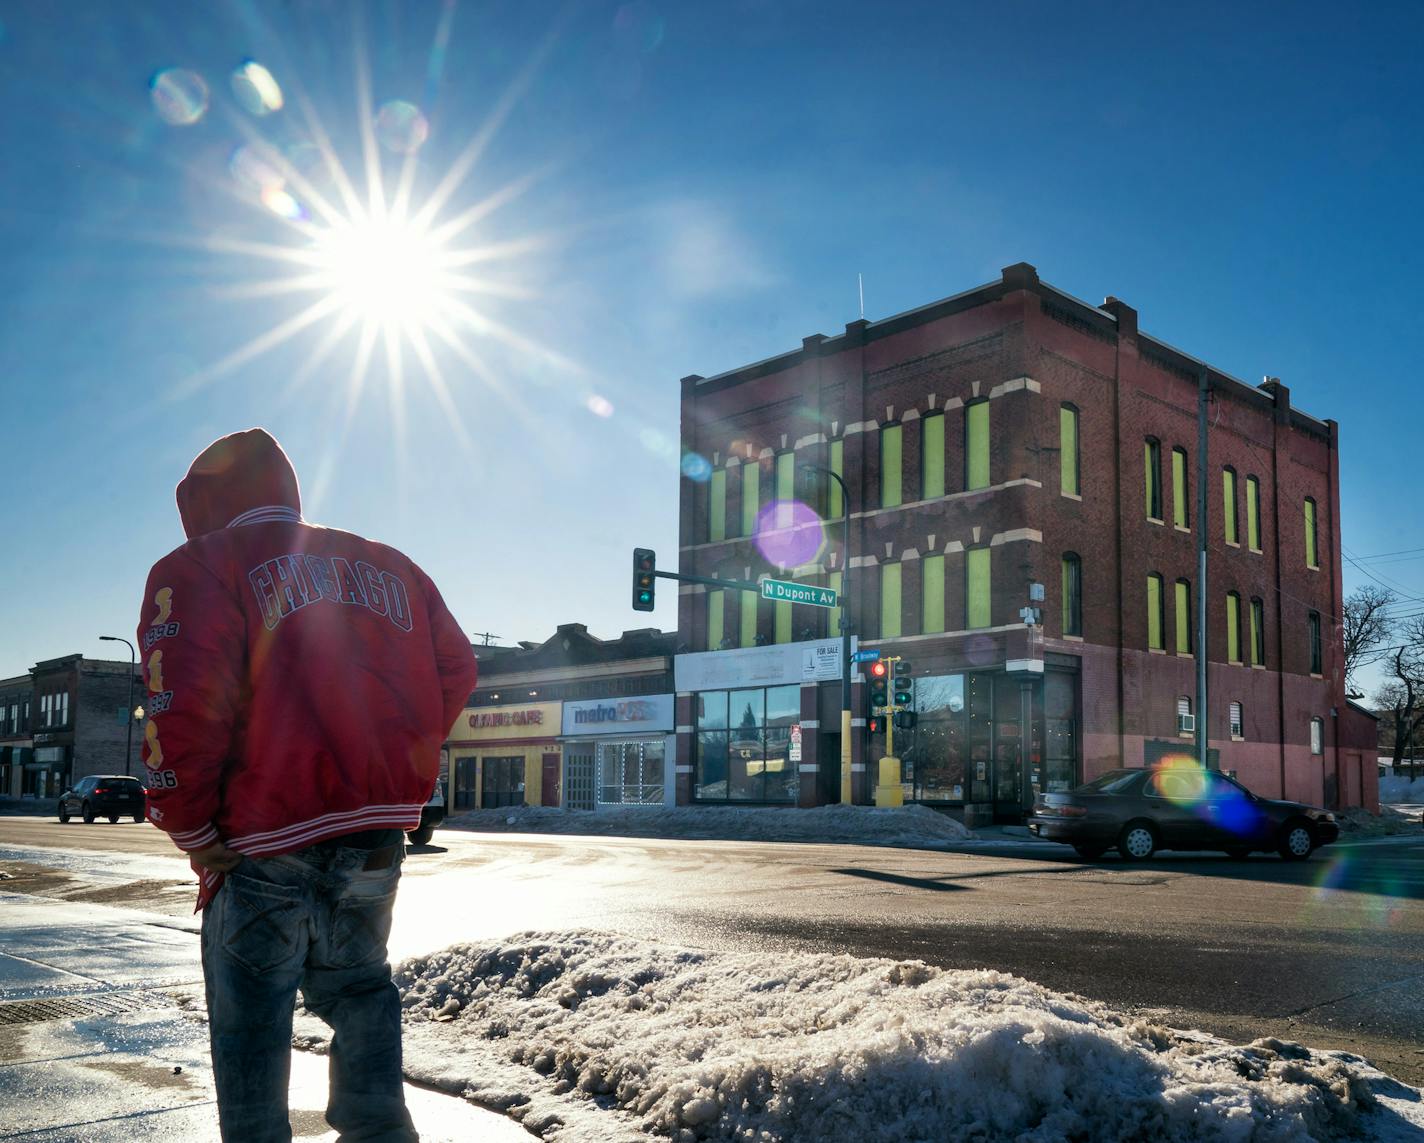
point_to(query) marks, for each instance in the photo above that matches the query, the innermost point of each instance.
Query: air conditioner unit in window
(1186, 723)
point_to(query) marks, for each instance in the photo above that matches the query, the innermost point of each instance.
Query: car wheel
(1137, 842)
(1091, 852)
(63, 814)
(1238, 854)
(88, 813)
(421, 835)
(113, 819)
(138, 817)
(1297, 841)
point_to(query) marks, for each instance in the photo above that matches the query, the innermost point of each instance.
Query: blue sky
(704, 182)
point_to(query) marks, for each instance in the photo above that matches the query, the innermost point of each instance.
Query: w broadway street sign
(783, 592)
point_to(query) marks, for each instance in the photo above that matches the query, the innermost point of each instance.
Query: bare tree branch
(1367, 625)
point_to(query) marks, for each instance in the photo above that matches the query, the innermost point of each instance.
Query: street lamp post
(128, 711)
(845, 631)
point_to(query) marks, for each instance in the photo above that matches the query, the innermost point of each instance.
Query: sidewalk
(100, 1040)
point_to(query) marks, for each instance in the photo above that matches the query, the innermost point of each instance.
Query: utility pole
(846, 797)
(128, 713)
(1203, 399)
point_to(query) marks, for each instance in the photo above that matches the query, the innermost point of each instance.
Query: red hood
(234, 475)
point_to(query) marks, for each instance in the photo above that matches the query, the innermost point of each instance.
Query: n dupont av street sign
(781, 591)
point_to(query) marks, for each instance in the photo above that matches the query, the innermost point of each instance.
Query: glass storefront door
(502, 782)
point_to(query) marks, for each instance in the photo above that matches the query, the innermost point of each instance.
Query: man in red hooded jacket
(301, 681)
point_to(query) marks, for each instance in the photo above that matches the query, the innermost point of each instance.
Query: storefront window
(630, 773)
(744, 745)
(502, 783)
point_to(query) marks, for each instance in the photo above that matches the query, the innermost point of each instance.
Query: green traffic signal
(645, 564)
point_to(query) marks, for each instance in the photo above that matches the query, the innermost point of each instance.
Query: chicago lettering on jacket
(288, 583)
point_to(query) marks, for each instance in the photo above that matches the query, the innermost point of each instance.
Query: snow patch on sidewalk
(908, 826)
(595, 1036)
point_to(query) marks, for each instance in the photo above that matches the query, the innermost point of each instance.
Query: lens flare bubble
(179, 96)
(281, 203)
(255, 89)
(696, 467)
(789, 533)
(638, 26)
(599, 406)
(254, 170)
(658, 443)
(401, 127)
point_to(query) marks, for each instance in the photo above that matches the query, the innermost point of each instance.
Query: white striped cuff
(200, 838)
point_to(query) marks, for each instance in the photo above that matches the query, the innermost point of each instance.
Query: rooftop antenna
(860, 284)
(485, 637)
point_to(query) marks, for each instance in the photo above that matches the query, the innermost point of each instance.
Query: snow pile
(907, 826)
(1392, 820)
(596, 1036)
(1401, 789)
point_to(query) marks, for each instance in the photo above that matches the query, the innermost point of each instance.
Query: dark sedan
(1178, 807)
(105, 796)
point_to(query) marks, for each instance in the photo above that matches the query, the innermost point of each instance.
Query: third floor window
(1152, 472)
(1068, 471)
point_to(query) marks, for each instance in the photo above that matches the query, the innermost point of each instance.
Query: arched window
(1072, 594)
(1068, 471)
(1182, 613)
(1233, 627)
(1155, 613)
(1152, 473)
(1253, 514)
(1258, 632)
(1312, 549)
(1228, 504)
(1181, 512)
(1316, 664)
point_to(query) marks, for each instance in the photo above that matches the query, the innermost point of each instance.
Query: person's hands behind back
(216, 857)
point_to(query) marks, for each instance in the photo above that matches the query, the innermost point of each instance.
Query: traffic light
(875, 724)
(905, 720)
(904, 685)
(645, 563)
(879, 686)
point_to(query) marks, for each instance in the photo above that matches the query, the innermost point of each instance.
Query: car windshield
(1113, 782)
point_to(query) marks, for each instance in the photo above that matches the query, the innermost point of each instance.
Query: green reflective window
(751, 496)
(785, 487)
(932, 456)
(891, 465)
(890, 609)
(1181, 514)
(1152, 477)
(976, 446)
(1233, 627)
(1228, 504)
(717, 505)
(1184, 617)
(1154, 612)
(749, 619)
(932, 594)
(783, 621)
(1258, 633)
(1312, 553)
(1253, 513)
(716, 606)
(977, 595)
(1072, 595)
(834, 506)
(833, 614)
(1068, 450)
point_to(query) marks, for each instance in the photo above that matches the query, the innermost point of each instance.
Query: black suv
(103, 795)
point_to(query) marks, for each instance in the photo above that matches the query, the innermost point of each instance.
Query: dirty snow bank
(1401, 789)
(595, 1036)
(908, 826)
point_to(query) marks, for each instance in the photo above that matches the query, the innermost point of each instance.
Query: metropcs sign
(782, 591)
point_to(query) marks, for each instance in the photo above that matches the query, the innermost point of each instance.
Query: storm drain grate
(79, 1007)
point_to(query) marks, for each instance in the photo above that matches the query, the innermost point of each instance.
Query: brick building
(1008, 436)
(68, 717)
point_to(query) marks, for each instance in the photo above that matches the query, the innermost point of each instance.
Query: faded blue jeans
(317, 919)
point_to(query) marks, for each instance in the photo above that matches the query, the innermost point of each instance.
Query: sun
(384, 272)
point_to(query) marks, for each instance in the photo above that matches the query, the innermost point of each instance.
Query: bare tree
(1401, 698)
(1367, 626)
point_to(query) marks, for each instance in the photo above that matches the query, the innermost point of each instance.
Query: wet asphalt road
(1329, 953)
